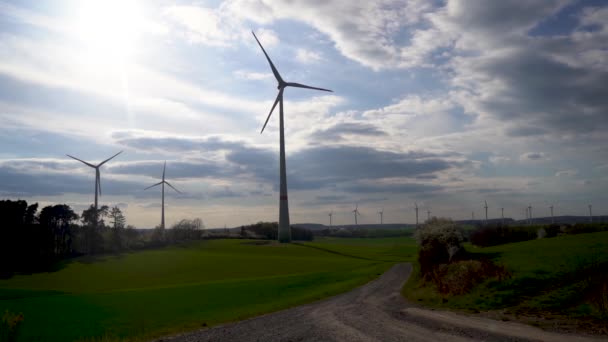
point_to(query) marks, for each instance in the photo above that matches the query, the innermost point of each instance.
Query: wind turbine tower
(356, 212)
(552, 220)
(530, 211)
(284, 230)
(486, 207)
(416, 208)
(590, 214)
(381, 213)
(162, 184)
(502, 216)
(331, 213)
(97, 174)
(428, 215)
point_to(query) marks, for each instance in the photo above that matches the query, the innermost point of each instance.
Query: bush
(493, 235)
(9, 326)
(440, 243)
(461, 276)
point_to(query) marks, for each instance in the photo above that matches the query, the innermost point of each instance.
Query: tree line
(35, 241)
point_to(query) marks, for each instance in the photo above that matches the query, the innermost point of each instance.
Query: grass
(146, 294)
(548, 275)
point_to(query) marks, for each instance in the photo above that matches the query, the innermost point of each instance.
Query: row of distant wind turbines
(98, 184)
(284, 233)
(528, 209)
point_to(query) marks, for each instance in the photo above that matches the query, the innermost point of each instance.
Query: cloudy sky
(443, 103)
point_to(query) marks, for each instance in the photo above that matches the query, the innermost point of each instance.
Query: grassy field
(548, 275)
(146, 294)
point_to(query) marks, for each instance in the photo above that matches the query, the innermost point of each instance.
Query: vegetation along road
(373, 312)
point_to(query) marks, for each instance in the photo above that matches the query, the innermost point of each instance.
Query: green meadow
(557, 275)
(141, 295)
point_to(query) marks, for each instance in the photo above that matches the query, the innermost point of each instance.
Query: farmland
(151, 293)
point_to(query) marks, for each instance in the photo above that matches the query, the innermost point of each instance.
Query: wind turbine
(162, 184)
(284, 231)
(416, 208)
(530, 211)
(381, 213)
(331, 213)
(590, 215)
(502, 216)
(97, 174)
(552, 220)
(486, 206)
(428, 215)
(356, 212)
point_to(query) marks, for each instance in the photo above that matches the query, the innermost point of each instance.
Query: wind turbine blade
(164, 167)
(179, 192)
(80, 160)
(272, 109)
(274, 69)
(298, 85)
(107, 160)
(151, 186)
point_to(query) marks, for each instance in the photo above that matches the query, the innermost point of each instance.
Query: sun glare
(108, 30)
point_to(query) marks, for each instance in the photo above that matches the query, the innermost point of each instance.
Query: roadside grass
(548, 275)
(142, 295)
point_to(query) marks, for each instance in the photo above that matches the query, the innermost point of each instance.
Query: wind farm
(491, 116)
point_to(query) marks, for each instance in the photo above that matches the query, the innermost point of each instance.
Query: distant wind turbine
(486, 207)
(356, 212)
(381, 213)
(284, 230)
(502, 216)
(552, 220)
(331, 213)
(97, 174)
(416, 208)
(162, 184)
(530, 211)
(590, 214)
(428, 215)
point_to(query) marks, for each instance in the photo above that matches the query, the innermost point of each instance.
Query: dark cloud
(533, 156)
(53, 184)
(337, 132)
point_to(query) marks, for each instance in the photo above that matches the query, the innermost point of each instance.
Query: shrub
(461, 276)
(440, 242)
(492, 235)
(9, 326)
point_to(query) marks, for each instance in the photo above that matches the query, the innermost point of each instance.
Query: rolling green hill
(155, 292)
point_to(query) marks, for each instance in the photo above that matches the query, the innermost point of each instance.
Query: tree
(92, 220)
(118, 219)
(57, 219)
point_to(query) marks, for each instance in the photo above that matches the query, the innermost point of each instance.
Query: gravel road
(373, 312)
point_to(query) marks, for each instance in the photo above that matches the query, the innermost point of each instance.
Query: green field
(548, 275)
(150, 293)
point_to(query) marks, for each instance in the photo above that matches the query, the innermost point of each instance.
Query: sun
(108, 30)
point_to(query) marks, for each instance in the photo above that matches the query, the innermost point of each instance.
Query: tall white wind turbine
(416, 208)
(502, 216)
(284, 231)
(356, 212)
(590, 214)
(428, 215)
(97, 174)
(162, 184)
(530, 212)
(486, 207)
(552, 220)
(381, 213)
(331, 213)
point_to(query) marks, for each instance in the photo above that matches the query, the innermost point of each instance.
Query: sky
(446, 104)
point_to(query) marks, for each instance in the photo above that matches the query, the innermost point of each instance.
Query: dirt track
(373, 312)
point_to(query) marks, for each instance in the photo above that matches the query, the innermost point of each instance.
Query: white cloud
(566, 173)
(307, 57)
(252, 75)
